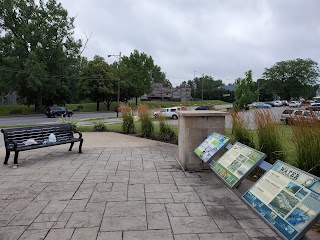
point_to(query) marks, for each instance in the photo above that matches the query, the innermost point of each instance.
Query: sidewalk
(120, 187)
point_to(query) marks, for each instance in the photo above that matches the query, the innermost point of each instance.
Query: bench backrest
(39, 133)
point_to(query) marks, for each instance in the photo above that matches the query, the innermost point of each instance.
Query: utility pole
(202, 87)
(118, 91)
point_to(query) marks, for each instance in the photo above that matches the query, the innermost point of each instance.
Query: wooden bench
(14, 138)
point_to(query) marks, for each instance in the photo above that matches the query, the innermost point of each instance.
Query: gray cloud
(219, 38)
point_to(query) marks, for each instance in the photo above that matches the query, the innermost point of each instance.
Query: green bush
(99, 127)
(128, 122)
(166, 132)
(269, 136)
(240, 129)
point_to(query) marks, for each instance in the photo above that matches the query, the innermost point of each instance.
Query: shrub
(71, 120)
(128, 122)
(99, 127)
(166, 132)
(306, 139)
(240, 129)
(269, 135)
(147, 128)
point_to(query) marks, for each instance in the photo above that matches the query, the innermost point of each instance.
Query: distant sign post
(237, 163)
(210, 146)
(287, 198)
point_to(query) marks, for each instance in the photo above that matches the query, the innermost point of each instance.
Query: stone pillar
(194, 127)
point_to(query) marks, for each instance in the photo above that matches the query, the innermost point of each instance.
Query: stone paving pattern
(119, 193)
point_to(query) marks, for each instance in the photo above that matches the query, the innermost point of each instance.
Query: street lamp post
(202, 79)
(118, 91)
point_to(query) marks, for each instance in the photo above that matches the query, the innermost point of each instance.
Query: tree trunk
(136, 101)
(38, 103)
(98, 106)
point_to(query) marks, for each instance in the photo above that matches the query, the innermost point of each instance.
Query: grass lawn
(91, 107)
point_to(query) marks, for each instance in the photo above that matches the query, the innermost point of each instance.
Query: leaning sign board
(237, 163)
(210, 146)
(287, 198)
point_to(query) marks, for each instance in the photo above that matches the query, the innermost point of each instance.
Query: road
(42, 119)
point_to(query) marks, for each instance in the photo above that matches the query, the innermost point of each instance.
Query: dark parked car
(203, 108)
(58, 111)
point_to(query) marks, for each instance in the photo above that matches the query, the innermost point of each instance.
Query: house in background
(9, 99)
(161, 92)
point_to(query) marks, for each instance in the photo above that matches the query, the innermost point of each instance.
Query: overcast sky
(220, 38)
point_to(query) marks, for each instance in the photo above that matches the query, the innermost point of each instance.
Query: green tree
(98, 82)
(245, 91)
(160, 77)
(211, 87)
(37, 50)
(290, 79)
(136, 71)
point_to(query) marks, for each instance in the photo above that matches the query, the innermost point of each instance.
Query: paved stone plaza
(110, 193)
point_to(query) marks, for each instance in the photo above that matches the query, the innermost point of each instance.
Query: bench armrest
(80, 134)
(7, 142)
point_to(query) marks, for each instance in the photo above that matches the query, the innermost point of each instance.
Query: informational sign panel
(287, 198)
(209, 147)
(236, 164)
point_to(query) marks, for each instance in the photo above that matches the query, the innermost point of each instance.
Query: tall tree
(290, 79)
(137, 73)
(210, 87)
(37, 48)
(98, 82)
(160, 77)
(245, 92)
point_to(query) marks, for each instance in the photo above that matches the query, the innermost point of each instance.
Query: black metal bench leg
(70, 149)
(15, 162)
(80, 146)
(7, 157)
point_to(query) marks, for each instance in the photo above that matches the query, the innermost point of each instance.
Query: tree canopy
(291, 79)
(136, 74)
(98, 82)
(245, 91)
(37, 50)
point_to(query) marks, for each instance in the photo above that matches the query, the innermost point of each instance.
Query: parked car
(288, 113)
(203, 108)
(285, 103)
(306, 114)
(294, 104)
(314, 107)
(261, 105)
(271, 104)
(167, 112)
(58, 111)
(277, 103)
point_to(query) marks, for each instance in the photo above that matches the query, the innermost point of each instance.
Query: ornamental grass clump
(70, 120)
(128, 122)
(269, 135)
(167, 133)
(147, 127)
(240, 129)
(306, 139)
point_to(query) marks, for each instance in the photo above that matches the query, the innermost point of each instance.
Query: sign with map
(287, 198)
(236, 164)
(209, 147)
